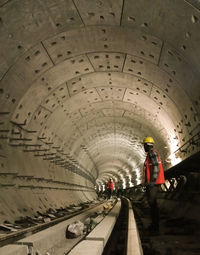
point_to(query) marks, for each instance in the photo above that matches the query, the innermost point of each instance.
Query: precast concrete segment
(88, 247)
(48, 238)
(65, 68)
(14, 250)
(133, 241)
(103, 230)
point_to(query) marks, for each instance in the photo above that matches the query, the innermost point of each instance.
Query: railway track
(13, 237)
(117, 243)
(123, 236)
(116, 234)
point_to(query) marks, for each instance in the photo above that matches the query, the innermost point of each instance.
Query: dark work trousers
(151, 192)
(109, 193)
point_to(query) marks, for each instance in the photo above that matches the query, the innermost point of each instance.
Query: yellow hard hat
(148, 139)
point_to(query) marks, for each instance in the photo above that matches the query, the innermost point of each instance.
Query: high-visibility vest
(149, 170)
(110, 185)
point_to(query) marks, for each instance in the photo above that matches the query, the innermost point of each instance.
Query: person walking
(153, 177)
(110, 188)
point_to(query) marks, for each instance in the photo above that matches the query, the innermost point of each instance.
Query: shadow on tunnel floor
(178, 235)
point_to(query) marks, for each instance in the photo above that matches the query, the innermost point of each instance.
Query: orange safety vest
(149, 170)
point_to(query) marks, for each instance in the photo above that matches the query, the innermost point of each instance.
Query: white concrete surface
(103, 230)
(13, 249)
(134, 246)
(88, 248)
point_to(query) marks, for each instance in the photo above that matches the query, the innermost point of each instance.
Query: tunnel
(82, 82)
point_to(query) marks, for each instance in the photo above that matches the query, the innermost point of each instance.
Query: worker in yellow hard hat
(153, 177)
(148, 140)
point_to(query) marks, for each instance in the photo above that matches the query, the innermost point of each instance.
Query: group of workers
(153, 177)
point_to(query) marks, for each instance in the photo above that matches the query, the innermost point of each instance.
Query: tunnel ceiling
(83, 82)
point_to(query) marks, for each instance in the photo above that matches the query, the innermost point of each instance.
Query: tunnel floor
(178, 235)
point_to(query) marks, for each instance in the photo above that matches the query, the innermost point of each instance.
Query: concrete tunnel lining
(84, 82)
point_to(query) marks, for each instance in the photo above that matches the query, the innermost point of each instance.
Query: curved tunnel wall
(82, 82)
